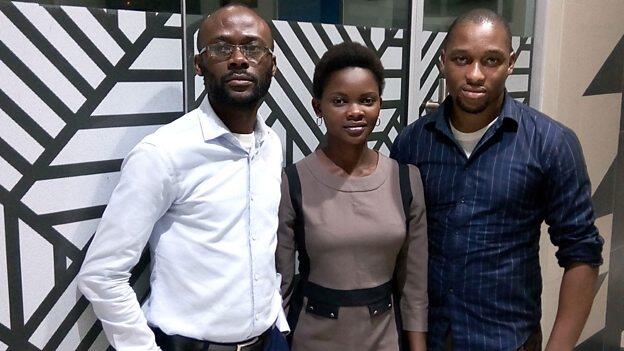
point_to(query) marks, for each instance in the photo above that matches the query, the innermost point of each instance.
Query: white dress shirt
(208, 208)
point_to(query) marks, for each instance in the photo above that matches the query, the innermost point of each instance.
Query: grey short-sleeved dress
(355, 234)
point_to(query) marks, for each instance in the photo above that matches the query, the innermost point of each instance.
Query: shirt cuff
(281, 323)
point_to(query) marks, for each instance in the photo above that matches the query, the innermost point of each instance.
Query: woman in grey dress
(357, 221)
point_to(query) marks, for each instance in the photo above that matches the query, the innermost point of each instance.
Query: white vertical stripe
(39, 64)
(295, 46)
(96, 33)
(59, 38)
(28, 101)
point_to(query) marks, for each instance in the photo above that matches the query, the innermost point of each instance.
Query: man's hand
(575, 300)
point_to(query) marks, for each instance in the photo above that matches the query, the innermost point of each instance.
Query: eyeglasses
(223, 51)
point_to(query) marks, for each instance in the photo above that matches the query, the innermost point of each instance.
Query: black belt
(183, 343)
(326, 302)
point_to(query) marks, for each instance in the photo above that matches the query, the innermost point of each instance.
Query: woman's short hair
(348, 54)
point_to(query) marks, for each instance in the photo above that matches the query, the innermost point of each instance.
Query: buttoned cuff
(281, 323)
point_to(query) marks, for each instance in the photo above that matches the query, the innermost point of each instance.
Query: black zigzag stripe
(292, 59)
(13, 157)
(14, 275)
(145, 75)
(296, 101)
(290, 129)
(15, 112)
(430, 66)
(303, 39)
(93, 100)
(322, 34)
(80, 169)
(34, 83)
(427, 44)
(111, 26)
(71, 216)
(131, 120)
(383, 138)
(47, 49)
(85, 43)
(343, 33)
(365, 33)
(390, 41)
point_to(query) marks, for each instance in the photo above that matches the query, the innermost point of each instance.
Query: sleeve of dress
(412, 262)
(285, 253)
(144, 193)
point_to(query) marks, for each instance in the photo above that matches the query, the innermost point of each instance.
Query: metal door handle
(431, 105)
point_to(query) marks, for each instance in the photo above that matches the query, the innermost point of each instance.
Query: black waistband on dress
(326, 302)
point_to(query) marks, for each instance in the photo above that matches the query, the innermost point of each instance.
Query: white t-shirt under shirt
(247, 141)
(468, 141)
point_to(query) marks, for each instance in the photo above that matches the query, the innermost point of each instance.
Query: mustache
(239, 75)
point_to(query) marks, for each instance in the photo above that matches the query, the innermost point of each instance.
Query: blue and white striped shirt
(484, 215)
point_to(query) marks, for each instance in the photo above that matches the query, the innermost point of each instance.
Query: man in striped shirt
(493, 170)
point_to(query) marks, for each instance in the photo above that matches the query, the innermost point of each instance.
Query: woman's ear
(316, 105)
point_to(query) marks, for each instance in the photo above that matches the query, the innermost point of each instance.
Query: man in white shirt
(204, 192)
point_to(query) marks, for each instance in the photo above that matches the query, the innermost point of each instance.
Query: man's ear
(274, 69)
(512, 63)
(441, 62)
(316, 105)
(197, 64)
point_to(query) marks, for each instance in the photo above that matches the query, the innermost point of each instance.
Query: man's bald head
(479, 16)
(229, 13)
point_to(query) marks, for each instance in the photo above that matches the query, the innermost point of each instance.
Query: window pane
(171, 6)
(519, 13)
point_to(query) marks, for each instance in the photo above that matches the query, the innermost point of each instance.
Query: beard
(218, 91)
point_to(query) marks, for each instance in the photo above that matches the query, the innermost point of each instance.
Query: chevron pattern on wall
(80, 87)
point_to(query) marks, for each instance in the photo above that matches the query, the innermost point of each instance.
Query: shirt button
(462, 200)
(257, 317)
(253, 237)
(256, 276)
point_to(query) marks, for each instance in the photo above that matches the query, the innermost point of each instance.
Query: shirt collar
(440, 116)
(212, 126)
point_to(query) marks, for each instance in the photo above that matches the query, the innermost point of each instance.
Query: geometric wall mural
(80, 87)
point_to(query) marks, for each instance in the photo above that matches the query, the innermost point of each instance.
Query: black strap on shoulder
(406, 189)
(296, 300)
(406, 200)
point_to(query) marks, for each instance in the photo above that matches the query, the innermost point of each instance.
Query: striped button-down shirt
(484, 215)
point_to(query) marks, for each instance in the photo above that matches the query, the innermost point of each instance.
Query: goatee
(218, 92)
